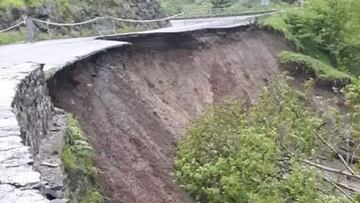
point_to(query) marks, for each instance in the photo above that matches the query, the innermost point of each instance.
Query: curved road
(57, 53)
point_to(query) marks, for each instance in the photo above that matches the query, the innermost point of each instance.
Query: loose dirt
(134, 103)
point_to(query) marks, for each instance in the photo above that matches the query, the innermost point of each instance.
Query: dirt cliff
(135, 102)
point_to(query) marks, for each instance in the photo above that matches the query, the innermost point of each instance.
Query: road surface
(57, 53)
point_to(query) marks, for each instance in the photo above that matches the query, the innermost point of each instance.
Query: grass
(11, 37)
(321, 71)
(311, 59)
(20, 36)
(194, 13)
(77, 158)
(277, 24)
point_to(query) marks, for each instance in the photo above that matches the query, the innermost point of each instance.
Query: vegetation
(277, 24)
(264, 153)
(201, 8)
(315, 68)
(327, 30)
(78, 163)
(70, 11)
(278, 150)
(352, 98)
(19, 3)
(221, 3)
(11, 37)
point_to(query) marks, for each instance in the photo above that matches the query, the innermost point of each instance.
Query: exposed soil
(135, 102)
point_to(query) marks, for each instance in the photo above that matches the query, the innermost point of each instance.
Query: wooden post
(30, 33)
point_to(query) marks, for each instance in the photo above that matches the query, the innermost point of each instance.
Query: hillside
(69, 11)
(134, 103)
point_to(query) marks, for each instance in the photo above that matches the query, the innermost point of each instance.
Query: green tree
(328, 30)
(332, 26)
(237, 154)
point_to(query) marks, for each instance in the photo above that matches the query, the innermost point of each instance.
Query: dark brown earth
(135, 102)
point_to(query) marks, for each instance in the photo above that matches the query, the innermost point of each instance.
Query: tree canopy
(20, 3)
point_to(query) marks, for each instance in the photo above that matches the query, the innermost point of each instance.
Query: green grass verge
(77, 158)
(11, 37)
(277, 24)
(321, 71)
(313, 60)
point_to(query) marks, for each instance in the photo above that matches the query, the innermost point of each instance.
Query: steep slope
(135, 102)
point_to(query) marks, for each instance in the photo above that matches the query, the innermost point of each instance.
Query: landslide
(134, 103)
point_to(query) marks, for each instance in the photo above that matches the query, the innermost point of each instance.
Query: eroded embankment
(135, 102)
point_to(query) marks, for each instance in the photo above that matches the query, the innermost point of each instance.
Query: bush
(221, 3)
(321, 71)
(352, 101)
(11, 37)
(277, 24)
(20, 3)
(326, 29)
(233, 154)
(77, 158)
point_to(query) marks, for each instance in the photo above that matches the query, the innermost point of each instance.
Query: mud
(135, 102)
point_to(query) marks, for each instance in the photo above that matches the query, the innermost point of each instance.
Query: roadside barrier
(105, 25)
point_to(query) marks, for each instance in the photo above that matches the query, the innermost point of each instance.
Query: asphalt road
(58, 53)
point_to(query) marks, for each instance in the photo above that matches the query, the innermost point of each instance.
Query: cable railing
(35, 29)
(32, 25)
(12, 27)
(206, 13)
(107, 17)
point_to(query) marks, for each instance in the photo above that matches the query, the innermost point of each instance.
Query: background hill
(11, 11)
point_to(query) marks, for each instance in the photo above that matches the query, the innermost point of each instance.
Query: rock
(26, 140)
(60, 201)
(11, 194)
(50, 165)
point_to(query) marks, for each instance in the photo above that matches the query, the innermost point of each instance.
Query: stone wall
(42, 127)
(31, 138)
(33, 108)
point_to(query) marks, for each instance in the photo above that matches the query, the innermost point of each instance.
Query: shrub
(11, 37)
(326, 29)
(221, 3)
(277, 24)
(20, 3)
(321, 71)
(78, 163)
(233, 154)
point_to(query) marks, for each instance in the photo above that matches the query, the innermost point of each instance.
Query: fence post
(30, 34)
(97, 26)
